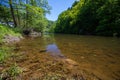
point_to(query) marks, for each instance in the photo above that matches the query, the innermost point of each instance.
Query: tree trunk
(18, 17)
(18, 14)
(26, 14)
(12, 13)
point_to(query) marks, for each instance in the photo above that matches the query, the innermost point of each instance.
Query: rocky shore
(11, 39)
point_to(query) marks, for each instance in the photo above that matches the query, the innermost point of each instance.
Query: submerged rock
(42, 51)
(35, 34)
(31, 33)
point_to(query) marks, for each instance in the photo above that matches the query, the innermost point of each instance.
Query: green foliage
(28, 14)
(4, 53)
(50, 26)
(97, 17)
(4, 15)
(12, 72)
(35, 18)
(109, 16)
(4, 30)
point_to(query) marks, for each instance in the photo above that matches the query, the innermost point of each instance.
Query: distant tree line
(98, 17)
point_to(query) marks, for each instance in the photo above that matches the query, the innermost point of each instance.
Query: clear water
(97, 55)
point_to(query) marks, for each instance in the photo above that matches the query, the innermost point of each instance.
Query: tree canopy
(98, 17)
(27, 14)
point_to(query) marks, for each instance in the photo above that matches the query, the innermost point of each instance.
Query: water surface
(97, 55)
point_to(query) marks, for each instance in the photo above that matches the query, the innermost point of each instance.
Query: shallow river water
(97, 55)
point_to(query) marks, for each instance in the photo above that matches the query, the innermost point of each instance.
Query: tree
(27, 14)
(5, 15)
(94, 18)
(12, 13)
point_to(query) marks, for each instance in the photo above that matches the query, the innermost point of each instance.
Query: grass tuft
(4, 53)
(11, 73)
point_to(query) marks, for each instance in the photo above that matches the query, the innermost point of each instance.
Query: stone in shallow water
(42, 51)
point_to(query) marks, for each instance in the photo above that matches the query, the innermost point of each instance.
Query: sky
(58, 6)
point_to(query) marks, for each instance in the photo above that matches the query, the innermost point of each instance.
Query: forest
(25, 14)
(88, 17)
(85, 17)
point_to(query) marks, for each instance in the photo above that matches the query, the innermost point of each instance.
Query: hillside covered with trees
(98, 17)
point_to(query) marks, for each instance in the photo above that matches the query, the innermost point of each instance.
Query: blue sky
(58, 6)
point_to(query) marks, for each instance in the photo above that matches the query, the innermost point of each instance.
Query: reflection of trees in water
(48, 39)
(62, 40)
(51, 46)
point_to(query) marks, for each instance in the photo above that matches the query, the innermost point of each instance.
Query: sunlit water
(97, 55)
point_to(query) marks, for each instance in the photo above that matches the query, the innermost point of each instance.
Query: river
(95, 54)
